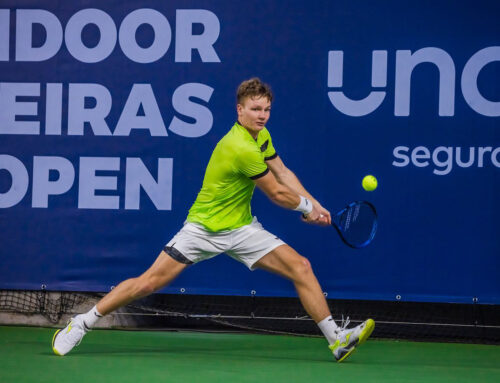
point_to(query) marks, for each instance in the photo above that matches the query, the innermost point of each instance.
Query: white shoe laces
(344, 323)
(342, 330)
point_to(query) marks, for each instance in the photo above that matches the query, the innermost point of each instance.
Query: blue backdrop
(109, 112)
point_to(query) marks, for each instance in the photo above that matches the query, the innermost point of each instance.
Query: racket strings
(357, 224)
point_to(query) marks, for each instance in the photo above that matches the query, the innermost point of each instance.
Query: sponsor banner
(109, 113)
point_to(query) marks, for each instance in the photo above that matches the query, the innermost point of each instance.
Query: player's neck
(254, 135)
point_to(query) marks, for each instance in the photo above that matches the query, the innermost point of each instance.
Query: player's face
(253, 114)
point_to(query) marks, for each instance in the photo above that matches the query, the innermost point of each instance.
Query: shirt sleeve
(270, 152)
(251, 164)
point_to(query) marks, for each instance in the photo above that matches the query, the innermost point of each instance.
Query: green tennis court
(160, 356)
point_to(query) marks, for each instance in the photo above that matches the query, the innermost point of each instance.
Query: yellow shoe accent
(367, 331)
(53, 340)
(338, 344)
(339, 348)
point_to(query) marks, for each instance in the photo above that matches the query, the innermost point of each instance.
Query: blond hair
(253, 88)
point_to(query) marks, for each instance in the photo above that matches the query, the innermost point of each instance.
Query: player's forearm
(285, 197)
(290, 180)
(282, 195)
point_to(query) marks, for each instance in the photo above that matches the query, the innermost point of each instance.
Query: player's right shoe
(69, 337)
(349, 339)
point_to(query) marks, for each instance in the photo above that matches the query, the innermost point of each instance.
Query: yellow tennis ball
(369, 183)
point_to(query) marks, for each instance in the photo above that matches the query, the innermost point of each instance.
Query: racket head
(356, 224)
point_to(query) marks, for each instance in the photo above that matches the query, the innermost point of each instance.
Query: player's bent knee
(302, 268)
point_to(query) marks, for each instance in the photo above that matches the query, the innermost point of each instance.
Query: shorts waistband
(201, 227)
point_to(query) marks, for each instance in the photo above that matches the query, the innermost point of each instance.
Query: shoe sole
(347, 354)
(365, 334)
(53, 341)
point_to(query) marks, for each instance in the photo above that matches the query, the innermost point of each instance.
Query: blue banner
(109, 112)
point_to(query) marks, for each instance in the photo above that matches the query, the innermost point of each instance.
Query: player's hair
(253, 88)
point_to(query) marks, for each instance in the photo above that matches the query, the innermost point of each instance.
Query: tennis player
(220, 221)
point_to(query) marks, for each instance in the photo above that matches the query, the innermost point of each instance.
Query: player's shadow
(217, 351)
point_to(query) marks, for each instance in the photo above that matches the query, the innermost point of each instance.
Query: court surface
(158, 356)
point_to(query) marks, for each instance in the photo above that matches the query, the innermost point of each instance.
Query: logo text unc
(406, 61)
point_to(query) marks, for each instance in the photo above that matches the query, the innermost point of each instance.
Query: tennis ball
(369, 183)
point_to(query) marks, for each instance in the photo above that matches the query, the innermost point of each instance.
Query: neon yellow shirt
(223, 202)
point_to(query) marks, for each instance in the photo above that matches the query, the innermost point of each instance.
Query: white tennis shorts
(247, 244)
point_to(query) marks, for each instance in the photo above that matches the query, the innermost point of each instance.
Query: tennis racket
(356, 224)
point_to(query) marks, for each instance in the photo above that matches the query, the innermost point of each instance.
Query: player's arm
(287, 178)
(286, 197)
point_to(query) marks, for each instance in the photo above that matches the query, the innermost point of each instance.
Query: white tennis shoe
(69, 337)
(349, 339)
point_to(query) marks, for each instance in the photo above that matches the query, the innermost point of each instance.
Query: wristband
(305, 206)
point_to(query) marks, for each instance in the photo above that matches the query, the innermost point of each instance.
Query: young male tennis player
(220, 221)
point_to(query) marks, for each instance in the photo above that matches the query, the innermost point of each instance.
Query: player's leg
(190, 245)
(162, 272)
(258, 248)
(286, 262)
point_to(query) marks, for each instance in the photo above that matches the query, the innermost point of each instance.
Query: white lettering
(399, 152)
(447, 164)
(73, 35)
(183, 105)
(494, 159)
(54, 176)
(10, 108)
(162, 32)
(406, 62)
(480, 154)
(141, 94)
(89, 182)
(357, 108)
(25, 18)
(186, 42)
(443, 166)
(4, 34)
(469, 82)
(78, 114)
(53, 110)
(20, 181)
(138, 176)
(42, 186)
(458, 156)
(420, 152)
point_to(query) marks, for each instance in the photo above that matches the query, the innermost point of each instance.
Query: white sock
(328, 327)
(90, 318)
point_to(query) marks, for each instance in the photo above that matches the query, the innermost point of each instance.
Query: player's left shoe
(69, 337)
(349, 339)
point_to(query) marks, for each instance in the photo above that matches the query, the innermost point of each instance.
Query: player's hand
(313, 216)
(325, 216)
(319, 216)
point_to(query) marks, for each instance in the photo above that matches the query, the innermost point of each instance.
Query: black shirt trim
(271, 157)
(260, 175)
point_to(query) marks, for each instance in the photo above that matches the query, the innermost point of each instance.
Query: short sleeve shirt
(223, 202)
